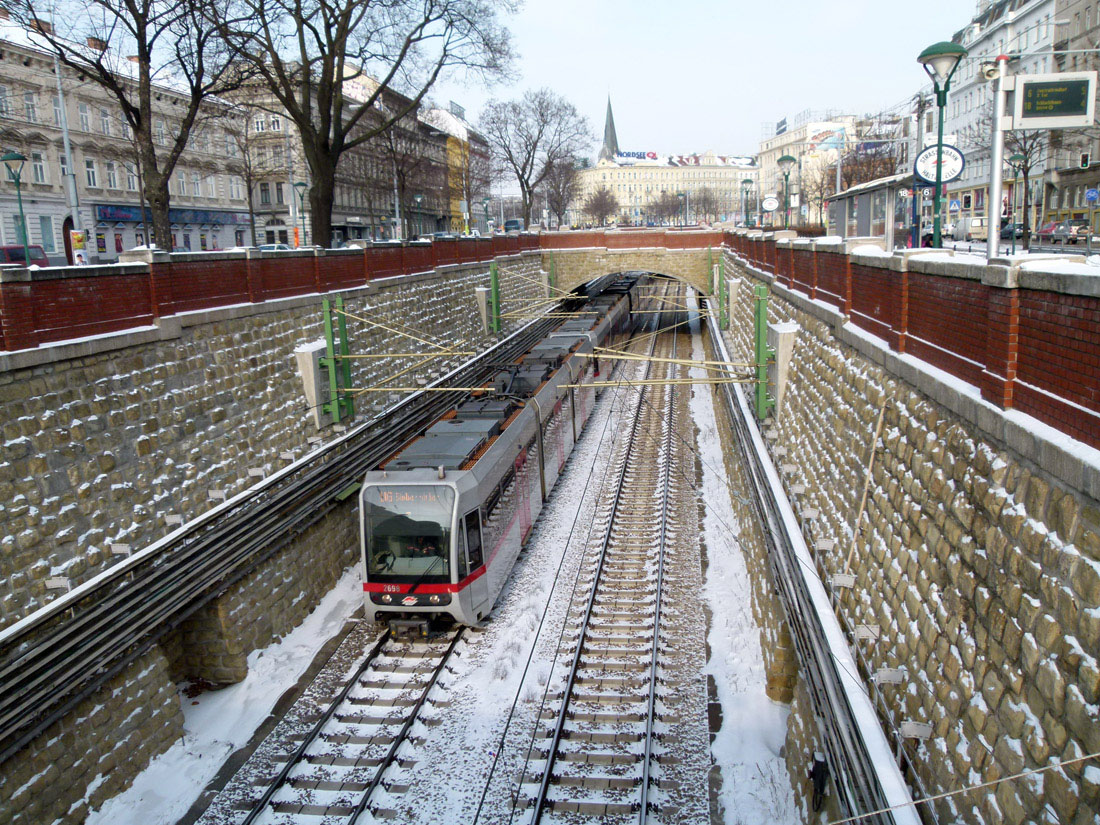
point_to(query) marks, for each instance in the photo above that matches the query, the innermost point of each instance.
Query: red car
(13, 254)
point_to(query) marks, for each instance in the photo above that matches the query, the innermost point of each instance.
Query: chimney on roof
(42, 26)
(4, 14)
(97, 44)
(133, 58)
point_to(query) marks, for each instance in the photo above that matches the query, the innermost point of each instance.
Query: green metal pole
(763, 353)
(332, 406)
(494, 296)
(786, 200)
(941, 102)
(22, 220)
(723, 302)
(346, 405)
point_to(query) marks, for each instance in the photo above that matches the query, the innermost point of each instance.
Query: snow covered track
(593, 756)
(341, 759)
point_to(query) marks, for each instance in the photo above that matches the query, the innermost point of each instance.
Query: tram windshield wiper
(427, 572)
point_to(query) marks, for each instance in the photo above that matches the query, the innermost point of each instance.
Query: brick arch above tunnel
(573, 267)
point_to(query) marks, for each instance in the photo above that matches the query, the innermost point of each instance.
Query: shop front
(121, 227)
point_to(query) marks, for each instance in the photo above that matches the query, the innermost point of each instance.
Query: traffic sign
(951, 166)
(1092, 195)
(954, 206)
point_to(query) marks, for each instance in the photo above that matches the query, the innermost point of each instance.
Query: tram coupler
(410, 627)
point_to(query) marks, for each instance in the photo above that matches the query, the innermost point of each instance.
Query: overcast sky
(690, 75)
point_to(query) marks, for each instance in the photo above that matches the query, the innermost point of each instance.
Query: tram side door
(475, 556)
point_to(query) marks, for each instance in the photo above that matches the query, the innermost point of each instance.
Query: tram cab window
(473, 539)
(408, 532)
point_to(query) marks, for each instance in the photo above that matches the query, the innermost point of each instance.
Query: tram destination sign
(1055, 101)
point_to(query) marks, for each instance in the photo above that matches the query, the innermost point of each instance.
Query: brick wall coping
(1068, 460)
(172, 326)
(1024, 272)
(19, 274)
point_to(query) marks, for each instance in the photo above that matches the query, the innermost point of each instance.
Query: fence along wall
(1026, 334)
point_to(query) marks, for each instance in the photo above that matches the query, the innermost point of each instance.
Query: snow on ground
(219, 722)
(755, 783)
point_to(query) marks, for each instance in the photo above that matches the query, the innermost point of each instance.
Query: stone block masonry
(978, 559)
(104, 440)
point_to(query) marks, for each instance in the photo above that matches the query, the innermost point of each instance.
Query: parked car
(513, 225)
(1046, 232)
(1069, 230)
(13, 254)
(1012, 230)
(274, 247)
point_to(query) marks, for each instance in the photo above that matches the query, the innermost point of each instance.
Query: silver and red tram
(443, 520)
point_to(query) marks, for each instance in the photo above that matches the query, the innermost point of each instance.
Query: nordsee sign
(637, 155)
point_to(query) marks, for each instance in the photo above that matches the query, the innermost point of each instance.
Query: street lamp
(300, 188)
(1017, 163)
(14, 161)
(683, 215)
(940, 60)
(417, 199)
(485, 206)
(786, 164)
(746, 187)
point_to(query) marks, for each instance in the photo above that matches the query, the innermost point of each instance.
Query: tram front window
(408, 531)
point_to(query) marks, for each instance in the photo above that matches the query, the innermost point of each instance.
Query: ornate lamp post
(940, 60)
(300, 189)
(14, 161)
(418, 199)
(485, 206)
(786, 164)
(746, 187)
(683, 215)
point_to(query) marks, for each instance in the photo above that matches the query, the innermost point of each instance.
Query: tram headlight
(387, 598)
(434, 599)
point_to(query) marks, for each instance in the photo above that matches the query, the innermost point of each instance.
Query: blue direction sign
(1092, 195)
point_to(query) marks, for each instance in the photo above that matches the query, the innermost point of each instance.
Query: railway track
(341, 757)
(597, 755)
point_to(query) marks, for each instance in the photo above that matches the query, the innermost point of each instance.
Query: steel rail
(860, 762)
(563, 713)
(666, 487)
(58, 661)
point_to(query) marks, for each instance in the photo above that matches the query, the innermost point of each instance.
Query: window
(124, 124)
(196, 184)
(38, 166)
(104, 122)
(235, 190)
(30, 106)
(20, 230)
(131, 179)
(211, 186)
(56, 110)
(277, 156)
(259, 124)
(64, 165)
(201, 141)
(112, 175)
(231, 148)
(158, 131)
(5, 102)
(45, 225)
(265, 193)
(279, 192)
(85, 122)
(181, 183)
(90, 172)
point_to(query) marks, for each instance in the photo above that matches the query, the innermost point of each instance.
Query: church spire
(610, 146)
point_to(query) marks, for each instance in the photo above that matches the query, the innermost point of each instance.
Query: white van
(972, 229)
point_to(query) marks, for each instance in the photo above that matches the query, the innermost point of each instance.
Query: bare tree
(562, 186)
(406, 154)
(818, 184)
(665, 207)
(601, 204)
(320, 58)
(529, 136)
(1030, 145)
(137, 50)
(706, 204)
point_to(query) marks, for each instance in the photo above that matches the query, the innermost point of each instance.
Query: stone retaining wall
(112, 436)
(978, 560)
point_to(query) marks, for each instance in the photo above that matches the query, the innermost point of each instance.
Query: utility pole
(70, 177)
(290, 193)
(922, 104)
(398, 230)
